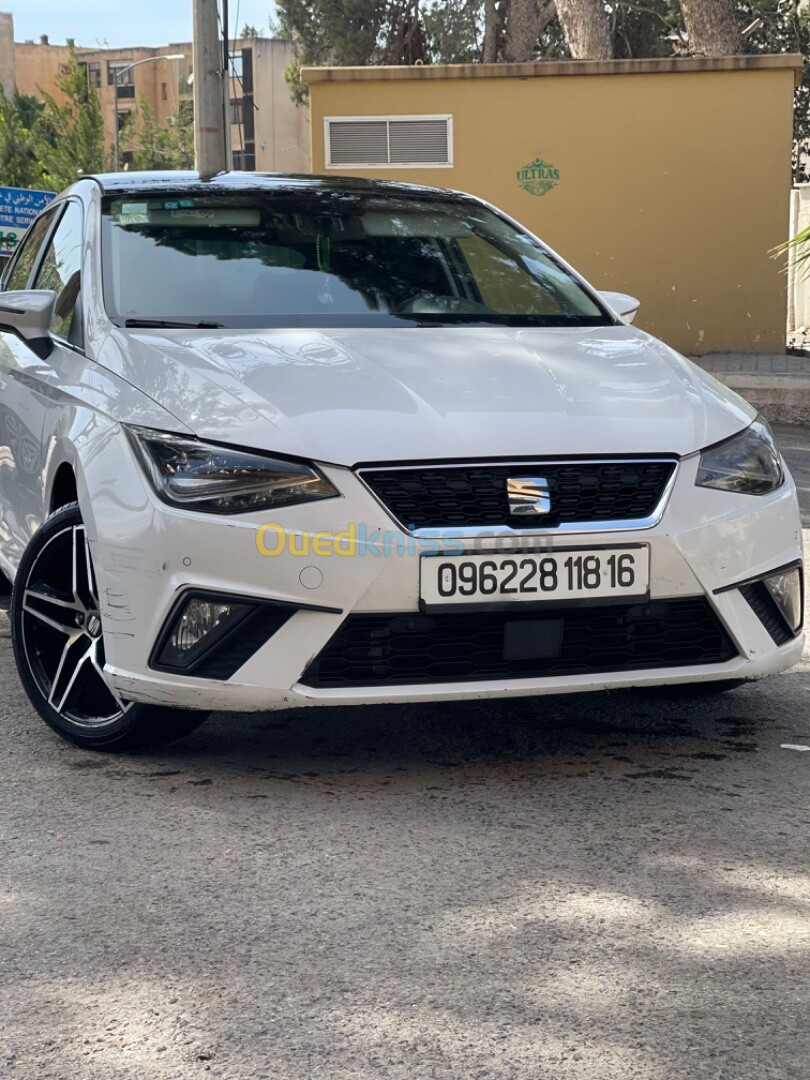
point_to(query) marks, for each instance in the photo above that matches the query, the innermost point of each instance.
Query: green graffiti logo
(538, 177)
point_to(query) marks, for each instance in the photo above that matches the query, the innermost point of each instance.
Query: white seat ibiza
(275, 441)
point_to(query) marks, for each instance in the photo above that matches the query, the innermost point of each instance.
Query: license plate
(488, 579)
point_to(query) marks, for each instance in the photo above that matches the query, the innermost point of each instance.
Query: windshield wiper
(172, 324)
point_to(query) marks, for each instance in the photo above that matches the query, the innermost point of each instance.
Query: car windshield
(329, 258)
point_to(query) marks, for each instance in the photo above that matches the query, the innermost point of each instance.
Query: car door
(21, 408)
(37, 398)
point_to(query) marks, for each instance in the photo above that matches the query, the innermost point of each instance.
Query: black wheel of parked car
(59, 647)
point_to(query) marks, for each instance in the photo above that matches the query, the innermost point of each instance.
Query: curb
(782, 399)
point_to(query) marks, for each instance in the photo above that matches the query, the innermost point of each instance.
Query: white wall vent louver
(388, 142)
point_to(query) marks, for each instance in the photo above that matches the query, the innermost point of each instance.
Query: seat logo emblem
(528, 495)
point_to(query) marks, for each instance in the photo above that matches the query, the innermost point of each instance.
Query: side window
(60, 270)
(27, 255)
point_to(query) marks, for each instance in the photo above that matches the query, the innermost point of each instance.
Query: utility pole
(226, 82)
(210, 148)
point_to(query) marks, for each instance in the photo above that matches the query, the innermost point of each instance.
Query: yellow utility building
(669, 179)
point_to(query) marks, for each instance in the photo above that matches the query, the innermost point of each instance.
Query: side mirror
(626, 307)
(28, 314)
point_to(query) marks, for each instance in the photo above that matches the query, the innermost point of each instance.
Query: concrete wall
(674, 175)
(7, 79)
(281, 128)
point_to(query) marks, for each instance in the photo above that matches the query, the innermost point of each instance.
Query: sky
(114, 23)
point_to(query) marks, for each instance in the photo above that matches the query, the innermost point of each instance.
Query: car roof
(122, 183)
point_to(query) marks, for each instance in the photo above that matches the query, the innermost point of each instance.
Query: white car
(275, 441)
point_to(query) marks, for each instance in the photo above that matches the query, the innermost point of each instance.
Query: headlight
(197, 475)
(747, 463)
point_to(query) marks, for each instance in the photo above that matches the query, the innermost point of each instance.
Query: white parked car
(279, 441)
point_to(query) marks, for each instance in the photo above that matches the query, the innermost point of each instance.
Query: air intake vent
(409, 648)
(383, 142)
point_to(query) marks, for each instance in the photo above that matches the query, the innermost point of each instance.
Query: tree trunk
(490, 54)
(586, 28)
(711, 27)
(526, 21)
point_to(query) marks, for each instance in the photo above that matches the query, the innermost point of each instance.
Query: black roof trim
(134, 182)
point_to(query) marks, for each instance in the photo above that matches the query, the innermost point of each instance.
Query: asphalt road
(589, 887)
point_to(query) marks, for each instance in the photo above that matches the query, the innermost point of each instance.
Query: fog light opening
(197, 627)
(785, 589)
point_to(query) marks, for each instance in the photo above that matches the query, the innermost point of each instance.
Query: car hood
(361, 395)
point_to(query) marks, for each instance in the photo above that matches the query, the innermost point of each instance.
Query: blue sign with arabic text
(18, 208)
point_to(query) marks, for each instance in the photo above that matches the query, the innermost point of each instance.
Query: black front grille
(475, 495)
(371, 650)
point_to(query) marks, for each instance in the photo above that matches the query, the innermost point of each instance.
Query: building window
(164, 92)
(123, 117)
(116, 72)
(64, 69)
(237, 113)
(248, 118)
(93, 72)
(235, 64)
(246, 80)
(389, 142)
(245, 160)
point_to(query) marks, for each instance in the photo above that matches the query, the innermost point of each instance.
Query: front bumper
(146, 554)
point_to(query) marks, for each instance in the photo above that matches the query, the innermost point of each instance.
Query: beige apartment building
(6, 52)
(269, 133)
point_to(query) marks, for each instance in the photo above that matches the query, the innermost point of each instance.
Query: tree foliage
(359, 32)
(156, 147)
(69, 138)
(18, 159)
(454, 30)
(45, 143)
(352, 33)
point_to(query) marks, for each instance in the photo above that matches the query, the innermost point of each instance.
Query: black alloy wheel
(58, 641)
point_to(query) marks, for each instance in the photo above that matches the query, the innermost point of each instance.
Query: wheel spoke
(82, 582)
(50, 598)
(60, 666)
(99, 670)
(74, 563)
(63, 628)
(91, 574)
(64, 666)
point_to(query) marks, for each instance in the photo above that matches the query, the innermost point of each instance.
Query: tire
(693, 691)
(59, 648)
